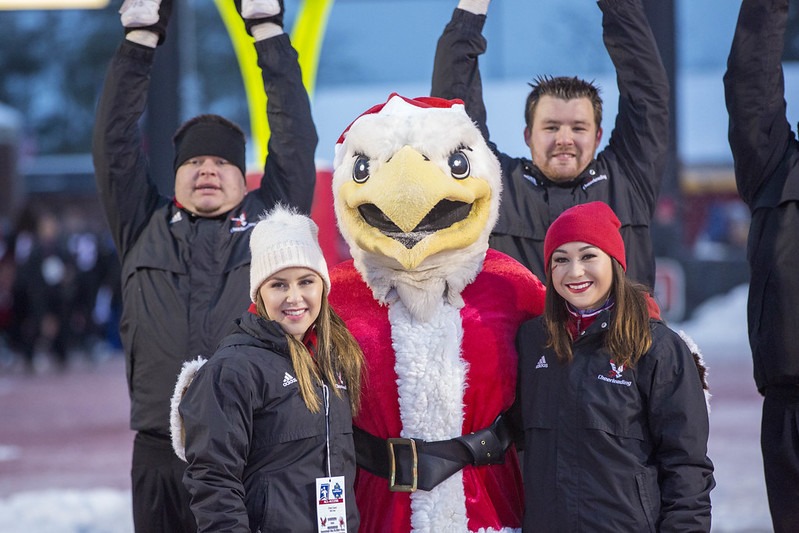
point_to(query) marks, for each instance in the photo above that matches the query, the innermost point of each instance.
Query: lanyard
(326, 395)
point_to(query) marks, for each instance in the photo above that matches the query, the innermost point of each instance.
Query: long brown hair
(628, 337)
(338, 357)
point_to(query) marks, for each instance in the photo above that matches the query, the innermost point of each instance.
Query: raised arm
(290, 169)
(640, 137)
(127, 193)
(456, 72)
(754, 86)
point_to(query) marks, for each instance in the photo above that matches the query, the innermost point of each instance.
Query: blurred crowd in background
(59, 290)
(59, 275)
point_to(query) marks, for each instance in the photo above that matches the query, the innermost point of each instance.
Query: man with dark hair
(186, 260)
(766, 157)
(563, 117)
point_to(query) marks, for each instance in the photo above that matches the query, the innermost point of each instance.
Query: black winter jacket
(626, 174)
(186, 278)
(613, 449)
(766, 155)
(253, 447)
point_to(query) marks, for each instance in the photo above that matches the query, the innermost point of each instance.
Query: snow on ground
(718, 327)
(67, 511)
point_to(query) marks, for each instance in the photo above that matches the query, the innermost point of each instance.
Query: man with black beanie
(186, 259)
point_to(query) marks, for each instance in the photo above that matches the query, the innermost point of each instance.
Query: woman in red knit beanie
(613, 408)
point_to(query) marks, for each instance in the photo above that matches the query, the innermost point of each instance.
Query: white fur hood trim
(701, 367)
(186, 376)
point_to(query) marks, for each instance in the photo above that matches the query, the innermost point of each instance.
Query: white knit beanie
(282, 239)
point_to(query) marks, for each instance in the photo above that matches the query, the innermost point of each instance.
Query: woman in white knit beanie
(267, 421)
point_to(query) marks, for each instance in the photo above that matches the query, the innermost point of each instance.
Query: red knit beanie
(593, 223)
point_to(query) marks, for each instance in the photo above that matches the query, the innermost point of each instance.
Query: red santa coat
(437, 380)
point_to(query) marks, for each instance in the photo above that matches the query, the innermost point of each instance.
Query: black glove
(249, 23)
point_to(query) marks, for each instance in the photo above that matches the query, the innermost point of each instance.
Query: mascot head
(416, 192)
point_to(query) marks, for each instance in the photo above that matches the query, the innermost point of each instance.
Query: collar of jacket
(191, 216)
(266, 334)
(580, 321)
(590, 172)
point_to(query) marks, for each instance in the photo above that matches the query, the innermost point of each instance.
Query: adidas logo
(542, 363)
(177, 217)
(288, 379)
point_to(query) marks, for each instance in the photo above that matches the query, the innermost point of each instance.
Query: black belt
(409, 464)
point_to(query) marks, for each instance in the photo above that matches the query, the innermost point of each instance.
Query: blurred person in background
(41, 294)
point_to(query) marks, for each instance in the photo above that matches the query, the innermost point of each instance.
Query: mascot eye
(459, 165)
(360, 171)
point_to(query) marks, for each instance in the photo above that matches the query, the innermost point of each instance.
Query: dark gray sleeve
(217, 418)
(679, 428)
(754, 87)
(290, 169)
(456, 72)
(128, 195)
(640, 136)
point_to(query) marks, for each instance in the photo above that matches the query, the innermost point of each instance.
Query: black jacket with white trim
(253, 447)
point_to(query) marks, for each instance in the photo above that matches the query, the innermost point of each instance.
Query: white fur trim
(431, 379)
(186, 376)
(692, 346)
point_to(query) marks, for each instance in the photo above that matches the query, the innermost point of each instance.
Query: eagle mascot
(416, 193)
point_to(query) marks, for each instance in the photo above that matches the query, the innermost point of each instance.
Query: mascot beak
(409, 208)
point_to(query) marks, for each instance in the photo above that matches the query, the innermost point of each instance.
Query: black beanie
(211, 138)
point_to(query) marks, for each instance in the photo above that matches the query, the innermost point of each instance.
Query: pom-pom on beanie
(284, 238)
(593, 223)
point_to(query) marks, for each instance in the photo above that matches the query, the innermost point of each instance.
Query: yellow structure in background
(306, 36)
(23, 5)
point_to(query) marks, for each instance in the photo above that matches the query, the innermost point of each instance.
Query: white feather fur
(700, 362)
(176, 430)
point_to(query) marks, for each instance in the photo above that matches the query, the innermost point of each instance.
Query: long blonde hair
(628, 337)
(338, 357)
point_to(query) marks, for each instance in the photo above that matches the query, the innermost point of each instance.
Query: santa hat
(283, 239)
(593, 223)
(398, 104)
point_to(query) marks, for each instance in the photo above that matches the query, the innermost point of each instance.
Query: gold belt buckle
(392, 465)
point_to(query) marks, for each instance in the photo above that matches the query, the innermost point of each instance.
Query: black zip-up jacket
(766, 155)
(611, 449)
(253, 447)
(626, 174)
(186, 278)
